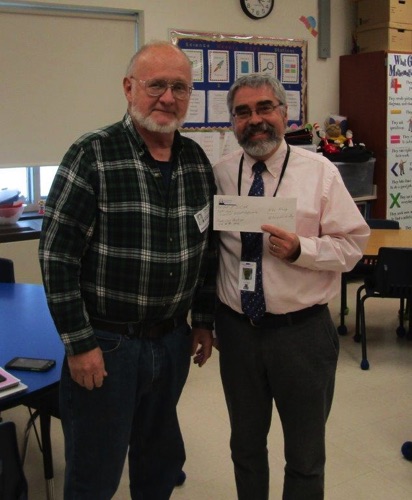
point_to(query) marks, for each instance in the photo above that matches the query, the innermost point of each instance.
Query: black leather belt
(140, 329)
(279, 320)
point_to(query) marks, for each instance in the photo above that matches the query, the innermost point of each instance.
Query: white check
(248, 213)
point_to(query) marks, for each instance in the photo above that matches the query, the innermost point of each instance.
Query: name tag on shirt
(202, 218)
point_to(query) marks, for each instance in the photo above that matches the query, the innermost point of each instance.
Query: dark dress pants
(295, 367)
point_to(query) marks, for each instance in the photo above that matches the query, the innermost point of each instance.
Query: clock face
(257, 9)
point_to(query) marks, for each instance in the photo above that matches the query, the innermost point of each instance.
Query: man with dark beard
(276, 338)
(126, 251)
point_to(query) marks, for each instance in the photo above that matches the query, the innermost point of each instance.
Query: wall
(24, 256)
(158, 16)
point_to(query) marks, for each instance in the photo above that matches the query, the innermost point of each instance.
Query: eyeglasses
(264, 109)
(156, 88)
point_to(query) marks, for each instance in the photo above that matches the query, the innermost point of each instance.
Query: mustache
(260, 127)
(252, 129)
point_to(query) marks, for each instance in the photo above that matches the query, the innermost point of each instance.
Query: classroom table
(27, 329)
(388, 238)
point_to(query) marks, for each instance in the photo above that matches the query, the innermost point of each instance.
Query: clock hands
(257, 9)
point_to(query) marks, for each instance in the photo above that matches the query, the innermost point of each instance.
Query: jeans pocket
(108, 341)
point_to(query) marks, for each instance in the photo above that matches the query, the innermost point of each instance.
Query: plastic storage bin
(358, 177)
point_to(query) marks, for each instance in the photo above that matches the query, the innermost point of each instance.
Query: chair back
(13, 484)
(6, 271)
(393, 272)
(383, 224)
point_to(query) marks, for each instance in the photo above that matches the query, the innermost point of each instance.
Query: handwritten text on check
(248, 213)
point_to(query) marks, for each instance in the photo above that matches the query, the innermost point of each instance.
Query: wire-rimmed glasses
(156, 87)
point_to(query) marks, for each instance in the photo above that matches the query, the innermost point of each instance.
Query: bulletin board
(219, 59)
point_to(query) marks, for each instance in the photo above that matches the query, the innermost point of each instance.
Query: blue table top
(27, 329)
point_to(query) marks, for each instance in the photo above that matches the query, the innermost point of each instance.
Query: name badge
(202, 218)
(247, 276)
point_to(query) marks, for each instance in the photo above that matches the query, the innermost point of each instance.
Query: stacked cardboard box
(384, 25)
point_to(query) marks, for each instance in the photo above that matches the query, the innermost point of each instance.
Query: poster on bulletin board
(219, 59)
(399, 139)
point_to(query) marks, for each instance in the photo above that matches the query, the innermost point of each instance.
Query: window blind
(61, 76)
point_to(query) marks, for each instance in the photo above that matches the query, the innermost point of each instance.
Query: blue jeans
(133, 412)
(293, 366)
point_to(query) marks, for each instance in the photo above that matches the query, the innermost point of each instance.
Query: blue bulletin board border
(219, 59)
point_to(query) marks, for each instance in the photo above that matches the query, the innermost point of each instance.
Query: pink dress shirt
(332, 232)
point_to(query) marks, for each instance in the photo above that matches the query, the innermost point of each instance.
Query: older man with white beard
(126, 251)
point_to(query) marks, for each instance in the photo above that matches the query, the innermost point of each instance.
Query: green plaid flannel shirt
(115, 244)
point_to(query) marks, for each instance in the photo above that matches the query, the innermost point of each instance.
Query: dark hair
(255, 80)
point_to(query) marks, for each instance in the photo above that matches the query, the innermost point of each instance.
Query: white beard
(149, 124)
(261, 148)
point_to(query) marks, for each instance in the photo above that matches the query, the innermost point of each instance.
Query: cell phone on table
(30, 364)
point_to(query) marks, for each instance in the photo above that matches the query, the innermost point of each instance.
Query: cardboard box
(394, 37)
(371, 12)
(358, 177)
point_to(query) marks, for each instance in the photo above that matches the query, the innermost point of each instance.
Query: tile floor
(370, 419)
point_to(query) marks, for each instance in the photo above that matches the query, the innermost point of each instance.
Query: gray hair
(148, 46)
(255, 80)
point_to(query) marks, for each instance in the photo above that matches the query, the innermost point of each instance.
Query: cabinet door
(363, 100)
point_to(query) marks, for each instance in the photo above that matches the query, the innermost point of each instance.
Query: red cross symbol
(395, 85)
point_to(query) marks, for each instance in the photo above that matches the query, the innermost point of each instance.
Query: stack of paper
(9, 384)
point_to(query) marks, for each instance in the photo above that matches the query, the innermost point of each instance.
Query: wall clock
(257, 9)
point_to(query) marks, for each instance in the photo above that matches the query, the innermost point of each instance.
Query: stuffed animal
(324, 145)
(349, 139)
(334, 134)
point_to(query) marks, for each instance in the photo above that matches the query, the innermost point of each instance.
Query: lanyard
(285, 163)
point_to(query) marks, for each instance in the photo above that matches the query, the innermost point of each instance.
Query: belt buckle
(255, 325)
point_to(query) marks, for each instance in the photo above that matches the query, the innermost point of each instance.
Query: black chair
(391, 278)
(13, 483)
(45, 406)
(6, 271)
(383, 224)
(362, 269)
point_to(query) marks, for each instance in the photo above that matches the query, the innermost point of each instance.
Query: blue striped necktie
(253, 303)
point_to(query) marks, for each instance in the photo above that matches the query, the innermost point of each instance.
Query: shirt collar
(273, 163)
